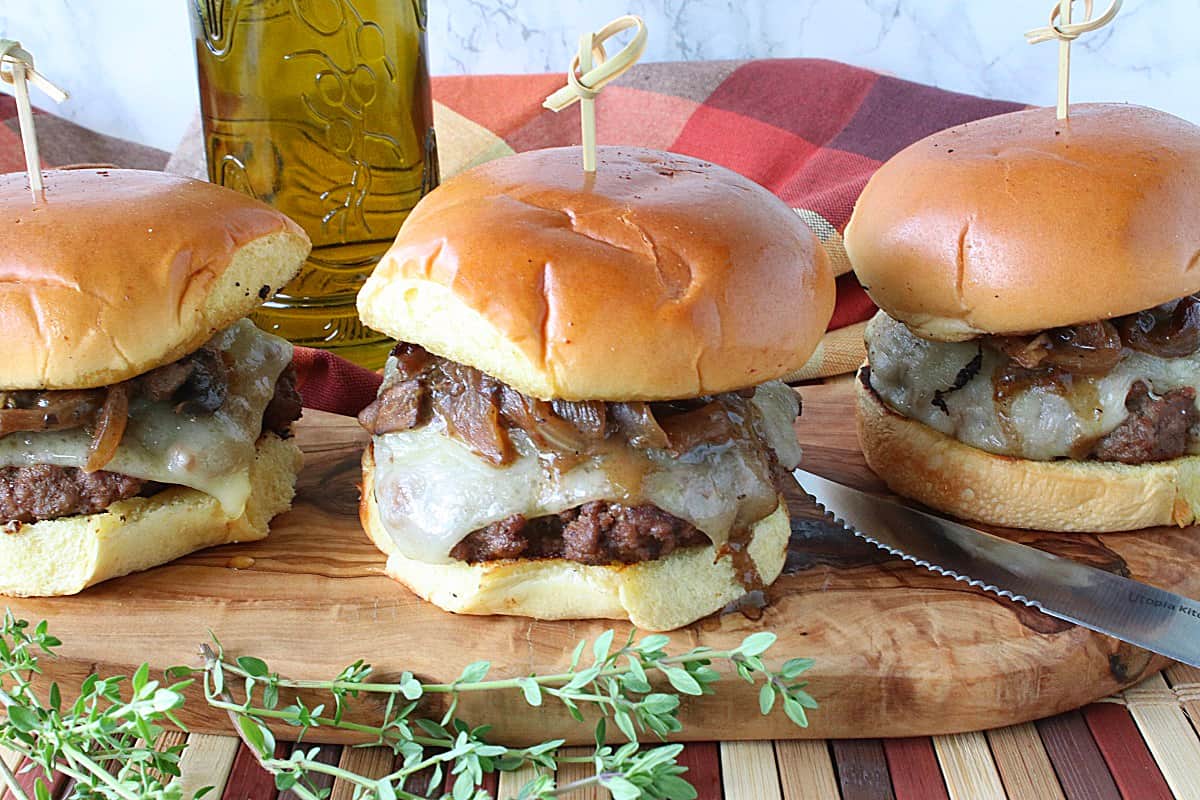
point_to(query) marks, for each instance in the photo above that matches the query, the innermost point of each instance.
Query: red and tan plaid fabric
(812, 131)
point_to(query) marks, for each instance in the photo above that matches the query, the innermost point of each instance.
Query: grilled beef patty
(594, 533)
(1155, 430)
(44, 491)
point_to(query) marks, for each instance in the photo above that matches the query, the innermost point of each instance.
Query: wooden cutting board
(899, 651)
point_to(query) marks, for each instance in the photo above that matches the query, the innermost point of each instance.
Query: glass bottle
(320, 108)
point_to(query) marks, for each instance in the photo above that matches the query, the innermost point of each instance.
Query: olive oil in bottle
(320, 108)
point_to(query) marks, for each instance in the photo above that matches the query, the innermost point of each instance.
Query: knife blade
(1142, 615)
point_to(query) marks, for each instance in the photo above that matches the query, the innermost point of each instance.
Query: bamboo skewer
(20, 74)
(1064, 60)
(1065, 31)
(591, 70)
(587, 103)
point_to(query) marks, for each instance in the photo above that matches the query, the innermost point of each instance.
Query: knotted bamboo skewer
(1065, 31)
(20, 74)
(591, 70)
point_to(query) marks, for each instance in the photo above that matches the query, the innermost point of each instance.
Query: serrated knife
(1141, 615)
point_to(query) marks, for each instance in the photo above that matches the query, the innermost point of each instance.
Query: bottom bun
(658, 595)
(1069, 496)
(64, 556)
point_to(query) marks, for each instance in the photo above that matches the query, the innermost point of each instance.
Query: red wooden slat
(862, 769)
(1082, 771)
(703, 760)
(248, 780)
(330, 754)
(419, 784)
(1129, 760)
(914, 768)
(26, 779)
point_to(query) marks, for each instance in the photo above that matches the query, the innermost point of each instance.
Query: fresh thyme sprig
(104, 740)
(617, 685)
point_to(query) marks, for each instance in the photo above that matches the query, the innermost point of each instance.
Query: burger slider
(1035, 361)
(581, 417)
(141, 417)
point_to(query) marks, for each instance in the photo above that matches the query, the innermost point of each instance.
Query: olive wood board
(899, 651)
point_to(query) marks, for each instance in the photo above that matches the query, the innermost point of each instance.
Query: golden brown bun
(64, 556)
(120, 271)
(659, 277)
(1089, 496)
(654, 595)
(1020, 222)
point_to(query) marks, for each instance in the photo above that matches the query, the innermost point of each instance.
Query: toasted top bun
(657, 277)
(1022, 222)
(120, 271)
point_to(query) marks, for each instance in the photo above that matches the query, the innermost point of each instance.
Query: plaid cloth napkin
(811, 131)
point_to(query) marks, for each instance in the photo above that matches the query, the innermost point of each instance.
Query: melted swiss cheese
(209, 452)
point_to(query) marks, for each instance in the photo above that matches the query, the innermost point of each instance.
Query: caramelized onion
(712, 423)
(480, 411)
(207, 384)
(1164, 332)
(637, 423)
(399, 407)
(538, 419)
(589, 417)
(411, 360)
(199, 382)
(1091, 349)
(110, 427)
(470, 413)
(50, 411)
(160, 385)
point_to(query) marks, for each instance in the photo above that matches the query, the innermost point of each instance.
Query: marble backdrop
(128, 63)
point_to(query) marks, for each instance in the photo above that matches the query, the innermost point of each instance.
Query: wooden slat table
(1139, 745)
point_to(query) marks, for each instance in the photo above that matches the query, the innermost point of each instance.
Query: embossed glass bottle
(322, 109)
